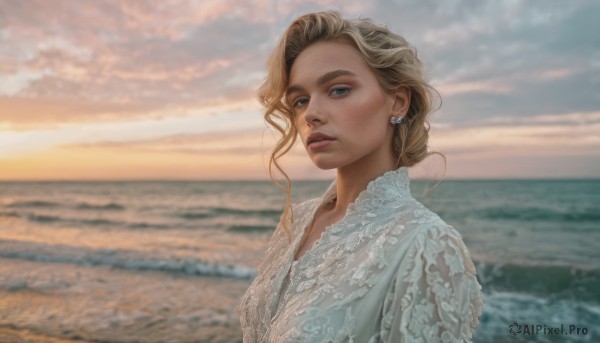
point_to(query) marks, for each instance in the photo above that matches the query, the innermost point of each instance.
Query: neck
(351, 180)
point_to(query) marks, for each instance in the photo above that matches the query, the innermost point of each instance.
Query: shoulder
(429, 225)
(438, 242)
(438, 287)
(431, 235)
(421, 220)
(438, 230)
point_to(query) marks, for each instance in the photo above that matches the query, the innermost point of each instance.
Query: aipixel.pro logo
(542, 329)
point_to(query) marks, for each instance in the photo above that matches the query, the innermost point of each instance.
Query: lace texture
(389, 271)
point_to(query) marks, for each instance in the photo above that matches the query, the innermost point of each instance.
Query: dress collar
(387, 191)
(390, 187)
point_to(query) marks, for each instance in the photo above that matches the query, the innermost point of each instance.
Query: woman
(365, 262)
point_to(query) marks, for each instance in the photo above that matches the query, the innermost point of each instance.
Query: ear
(401, 101)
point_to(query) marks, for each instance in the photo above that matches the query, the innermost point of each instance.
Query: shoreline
(58, 303)
(11, 334)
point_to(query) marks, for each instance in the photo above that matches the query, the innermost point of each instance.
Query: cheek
(367, 118)
(300, 132)
(367, 124)
(295, 121)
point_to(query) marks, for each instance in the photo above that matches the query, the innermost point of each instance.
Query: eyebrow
(322, 79)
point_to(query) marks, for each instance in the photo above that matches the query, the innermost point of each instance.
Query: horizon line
(583, 178)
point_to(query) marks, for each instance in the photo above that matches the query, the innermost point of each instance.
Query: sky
(166, 90)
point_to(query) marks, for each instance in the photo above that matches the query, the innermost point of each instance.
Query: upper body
(365, 262)
(389, 271)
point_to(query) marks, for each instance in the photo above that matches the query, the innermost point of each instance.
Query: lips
(318, 137)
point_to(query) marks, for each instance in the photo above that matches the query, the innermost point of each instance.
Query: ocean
(168, 261)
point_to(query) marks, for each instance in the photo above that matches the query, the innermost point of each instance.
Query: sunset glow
(127, 90)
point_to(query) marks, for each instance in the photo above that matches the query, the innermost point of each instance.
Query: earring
(396, 120)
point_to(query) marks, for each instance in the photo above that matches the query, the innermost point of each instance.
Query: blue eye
(300, 102)
(340, 91)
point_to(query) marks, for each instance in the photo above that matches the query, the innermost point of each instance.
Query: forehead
(326, 56)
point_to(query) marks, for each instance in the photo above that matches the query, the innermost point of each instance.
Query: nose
(314, 113)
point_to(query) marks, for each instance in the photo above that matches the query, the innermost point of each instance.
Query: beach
(100, 304)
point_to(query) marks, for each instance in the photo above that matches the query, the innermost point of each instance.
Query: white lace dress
(389, 271)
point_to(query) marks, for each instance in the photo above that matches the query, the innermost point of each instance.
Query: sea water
(168, 261)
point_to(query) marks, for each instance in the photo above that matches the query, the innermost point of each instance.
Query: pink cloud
(124, 58)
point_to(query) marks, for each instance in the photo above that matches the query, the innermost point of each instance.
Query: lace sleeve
(437, 298)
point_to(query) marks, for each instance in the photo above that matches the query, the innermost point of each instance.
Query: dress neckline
(392, 186)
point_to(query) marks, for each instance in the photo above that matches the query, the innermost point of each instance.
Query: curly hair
(391, 58)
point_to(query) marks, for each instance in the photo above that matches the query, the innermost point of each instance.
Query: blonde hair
(391, 58)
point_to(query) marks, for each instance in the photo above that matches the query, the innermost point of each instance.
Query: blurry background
(117, 117)
(166, 90)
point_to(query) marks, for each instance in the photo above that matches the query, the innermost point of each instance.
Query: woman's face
(341, 111)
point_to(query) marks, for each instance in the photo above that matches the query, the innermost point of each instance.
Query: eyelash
(346, 89)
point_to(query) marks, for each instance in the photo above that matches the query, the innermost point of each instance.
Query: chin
(325, 163)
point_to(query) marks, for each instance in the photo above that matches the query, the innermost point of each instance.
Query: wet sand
(55, 302)
(12, 335)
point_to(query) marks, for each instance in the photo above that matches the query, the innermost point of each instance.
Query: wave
(10, 214)
(213, 212)
(505, 308)
(123, 259)
(536, 214)
(42, 218)
(34, 203)
(246, 212)
(194, 215)
(145, 225)
(104, 223)
(106, 207)
(251, 228)
(553, 281)
(97, 222)
(78, 206)
(187, 214)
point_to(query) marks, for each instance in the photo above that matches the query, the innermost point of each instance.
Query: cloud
(91, 76)
(214, 143)
(223, 118)
(116, 59)
(545, 137)
(125, 59)
(531, 59)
